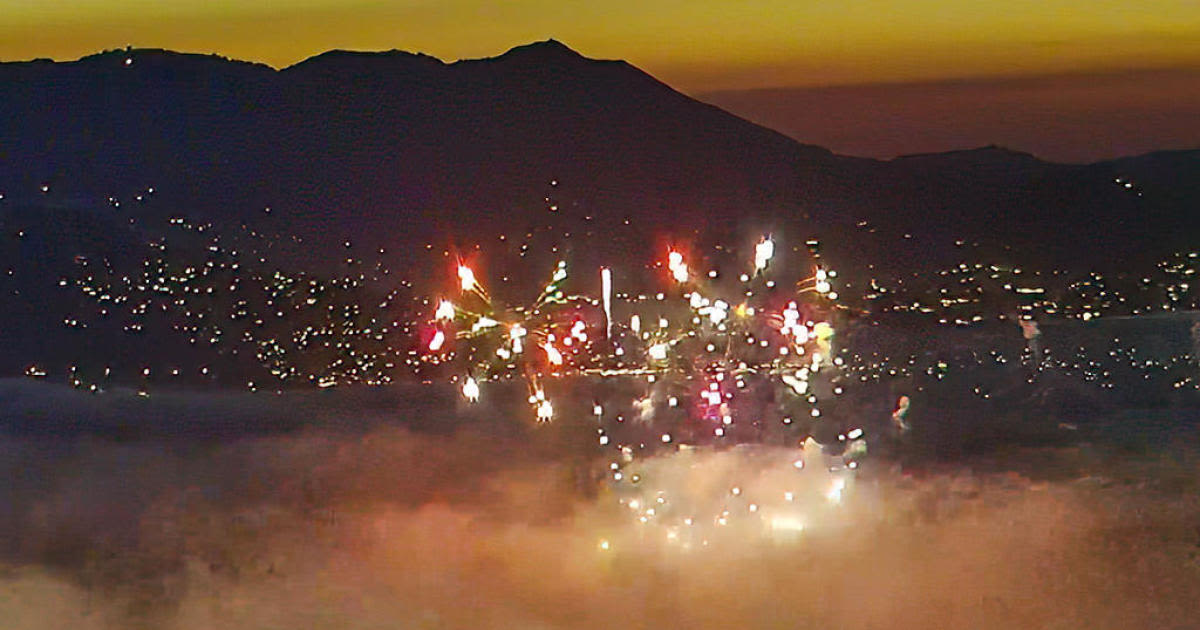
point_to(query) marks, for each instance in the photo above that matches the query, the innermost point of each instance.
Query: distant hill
(348, 153)
(1075, 117)
(401, 149)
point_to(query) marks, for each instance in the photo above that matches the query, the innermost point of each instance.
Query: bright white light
(658, 351)
(482, 323)
(797, 383)
(466, 277)
(445, 311)
(516, 333)
(718, 312)
(552, 354)
(435, 344)
(679, 270)
(470, 390)
(545, 411)
(764, 251)
(606, 292)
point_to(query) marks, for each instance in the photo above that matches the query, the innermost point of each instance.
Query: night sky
(902, 54)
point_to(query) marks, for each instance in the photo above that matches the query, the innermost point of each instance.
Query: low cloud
(360, 514)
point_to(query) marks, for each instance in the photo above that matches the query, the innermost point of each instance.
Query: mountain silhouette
(399, 149)
(403, 153)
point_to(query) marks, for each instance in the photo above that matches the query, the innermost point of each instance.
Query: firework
(707, 360)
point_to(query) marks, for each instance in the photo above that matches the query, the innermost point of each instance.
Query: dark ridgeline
(394, 145)
(398, 150)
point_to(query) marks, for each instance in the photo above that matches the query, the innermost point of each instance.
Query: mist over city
(362, 315)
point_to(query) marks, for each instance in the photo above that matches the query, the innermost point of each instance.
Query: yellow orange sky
(695, 45)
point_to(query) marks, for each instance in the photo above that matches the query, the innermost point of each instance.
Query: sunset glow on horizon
(695, 46)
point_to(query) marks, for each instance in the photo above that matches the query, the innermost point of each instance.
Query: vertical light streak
(606, 290)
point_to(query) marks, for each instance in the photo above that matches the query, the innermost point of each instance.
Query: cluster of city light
(220, 293)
